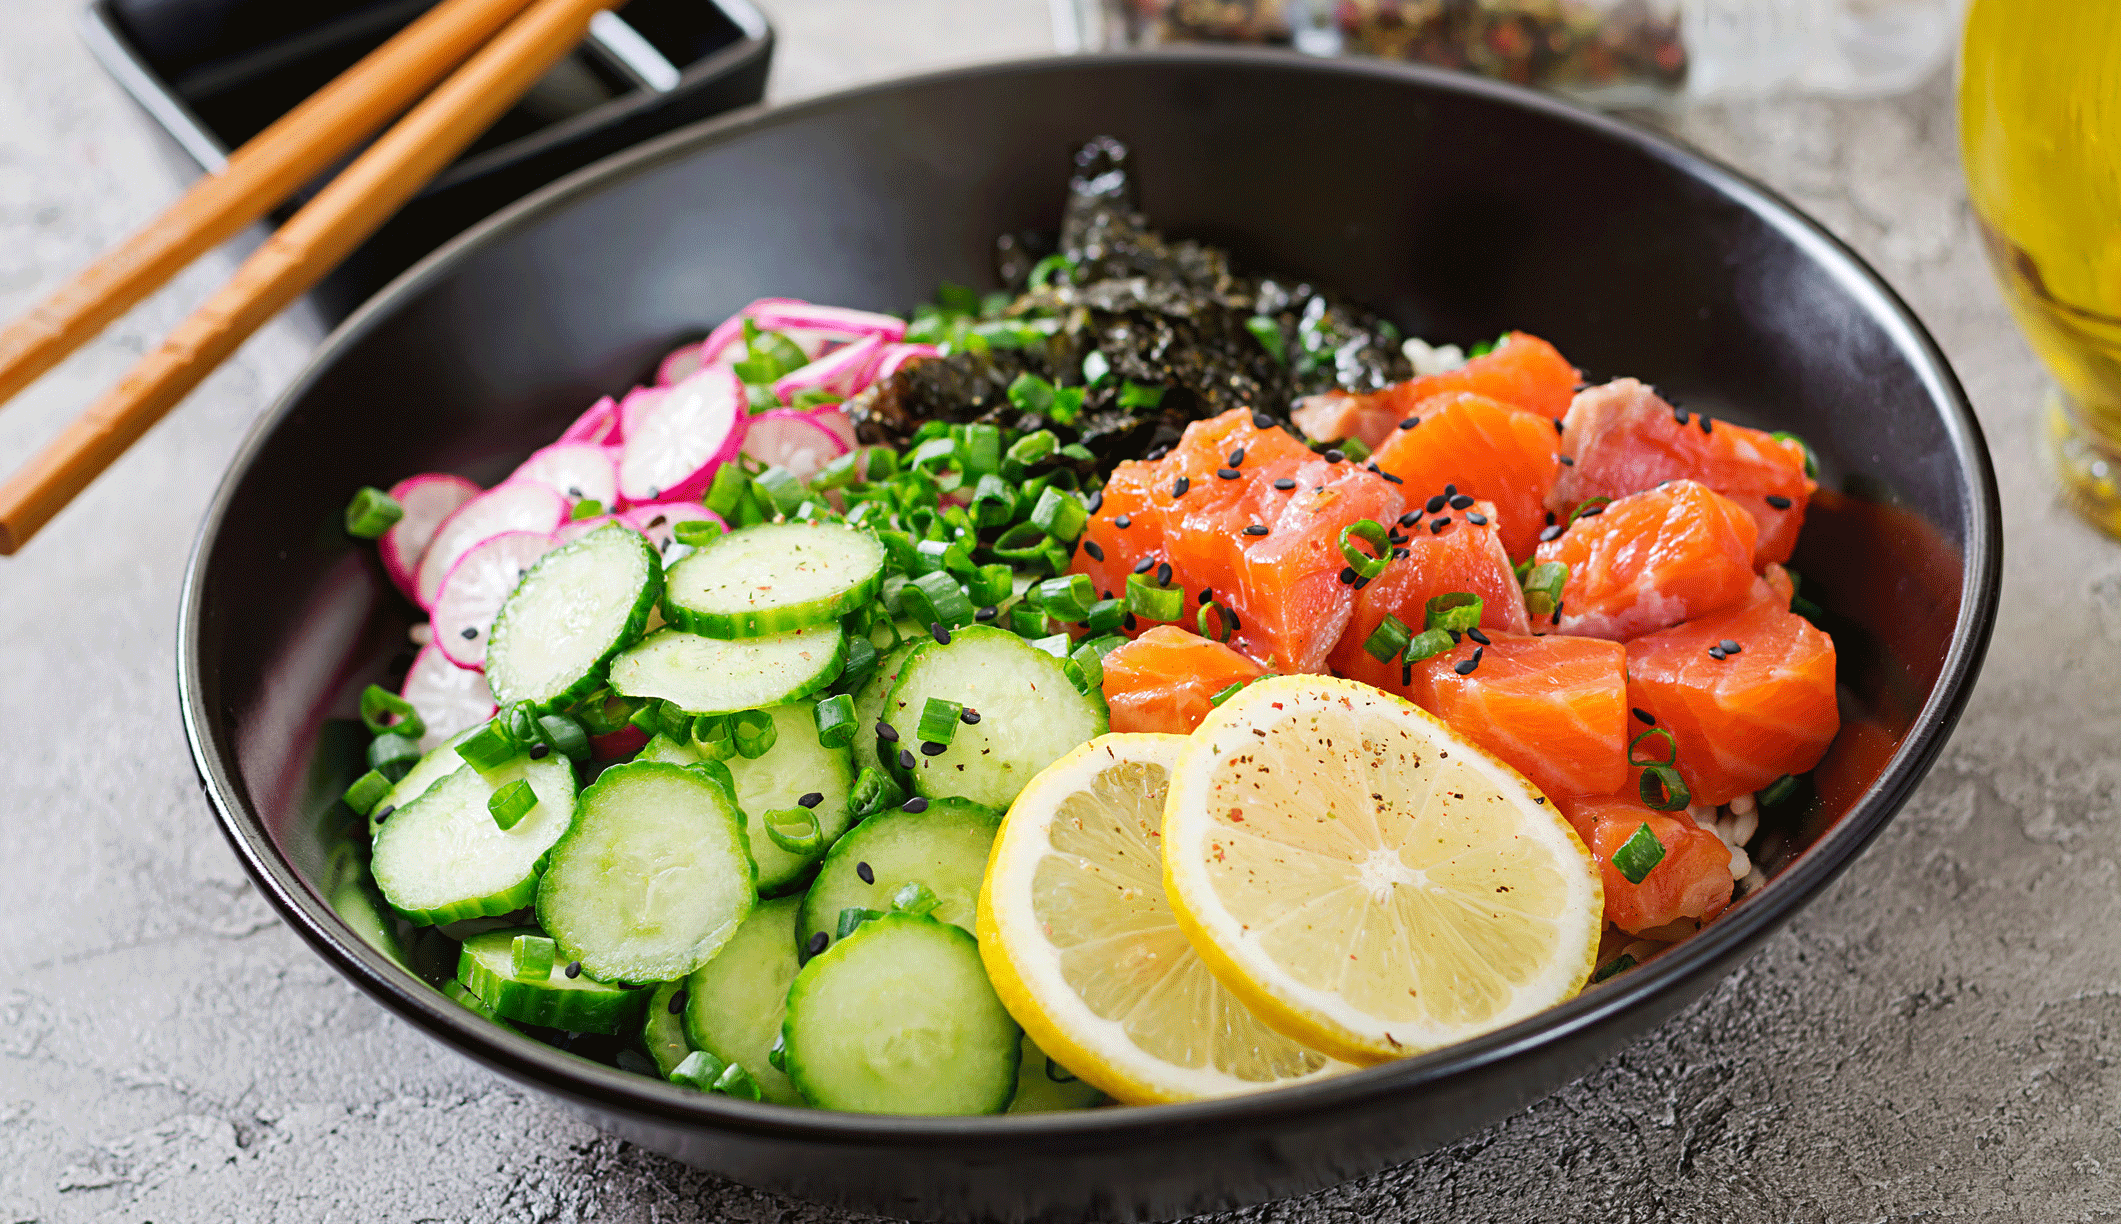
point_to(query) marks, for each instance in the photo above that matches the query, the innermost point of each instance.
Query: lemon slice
(1368, 881)
(1085, 953)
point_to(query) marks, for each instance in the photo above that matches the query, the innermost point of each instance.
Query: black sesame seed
(1557, 425)
(1456, 636)
(469, 633)
(812, 799)
(1097, 500)
(1123, 522)
(1372, 466)
(1460, 502)
(1229, 615)
(383, 813)
(1566, 461)
(1437, 525)
(968, 716)
(915, 804)
(931, 748)
(1406, 671)
(677, 1002)
(1130, 622)
(1227, 473)
(1730, 647)
(539, 752)
(654, 494)
(1362, 582)
(1256, 529)
(1401, 554)
(1144, 565)
(1347, 575)
(1679, 414)
(1096, 553)
(1450, 490)
(1477, 635)
(1477, 519)
(1334, 456)
(940, 634)
(1179, 487)
(1778, 501)
(1648, 719)
(886, 732)
(1410, 422)
(1394, 538)
(574, 969)
(1207, 596)
(1394, 479)
(1591, 511)
(1470, 665)
(865, 871)
(1157, 454)
(905, 758)
(1261, 420)
(1285, 484)
(1716, 653)
(989, 613)
(1557, 613)
(1237, 457)
(817, 943)
(1163, 574)
(1702, 419)
(1550, 518)
(1437, 503)
(1410, 518)
(1551, 531)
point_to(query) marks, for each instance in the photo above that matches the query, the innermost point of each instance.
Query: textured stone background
(1936, 1038)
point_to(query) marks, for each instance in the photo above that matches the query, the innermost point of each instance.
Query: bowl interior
(1457, 208)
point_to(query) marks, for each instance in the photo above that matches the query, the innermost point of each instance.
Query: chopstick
(298, 254)
(302, 144)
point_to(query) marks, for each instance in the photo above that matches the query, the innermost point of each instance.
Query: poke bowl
(1318, 216)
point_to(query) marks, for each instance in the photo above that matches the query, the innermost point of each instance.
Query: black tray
(213, 73)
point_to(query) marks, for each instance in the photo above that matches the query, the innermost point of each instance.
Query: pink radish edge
(794, 439)
(429, 499)
(477, 585)
(835, 422)
(842, 372)
(449, 698)
(581, 471)
(600, 425)
(731, 329)
(839, 322)
(518, 505)
(696, 426)
(896, 356)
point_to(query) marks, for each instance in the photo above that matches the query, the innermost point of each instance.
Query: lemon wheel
(1365, 879)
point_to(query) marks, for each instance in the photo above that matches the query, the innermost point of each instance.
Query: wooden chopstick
(298, 254)
(302, 144)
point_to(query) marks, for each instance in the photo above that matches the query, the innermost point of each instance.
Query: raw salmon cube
(1653, 559)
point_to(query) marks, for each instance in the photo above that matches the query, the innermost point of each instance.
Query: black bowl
(1457, 206)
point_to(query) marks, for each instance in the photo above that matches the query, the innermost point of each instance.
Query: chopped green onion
(781, 349)
(1078, 452)
(1030, 393)
(1522, 569)
(874, 791)
(648, 718)
(753, 733)
(938, 724)
(1091, 662)
(1779, 791)
(1458, 610)
(490, 748)
(1096, 368)
(1265, 330)
(712, 736)
(1105, 643)
(957, 299)
(835, 721)
(1060, 515)
(520, 719)
(782, 486)
(1388, 639)
(384, 711)
(993, 502)
(1662, 789)
(1584, 506)
(1371, 532)
(1066, 598)
(1487, 346)
(994, 304)
(982, 448)
(371, 513)
(1619, 964)
(736, 1082)
(795, 830)
(367, 791)
(587, 508)
(677, 723)
(1148, 600)
(1033, 448)
(1355, 450)
(1638, 854)
(937, 599)
(1428, 644)
(729, 490)
(935, 452)
(945, 556)
(990, 585)
(915, 898)
(840, 471)
(531, 956)
(1028, 621)
(512, 803)
(1057, 644)
(697, 533)
(1224, 626)
(1106, 615)
(1671, 757)
(1227, 692)
(852, 918)
(393, 755)
(1043, 270)
(1811, 461)
(815, 398)
(1543, 587)
(698, 1071)
(758, 397)
(1133, 395)
(1022, 544)
(777, 1053)
(564, 735)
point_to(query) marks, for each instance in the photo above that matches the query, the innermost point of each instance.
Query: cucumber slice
(739, 998)
(705, 675)
(663, 1030)
(651, 878)
(1030, 714)
(899, 1018)
(772, 578)
(869, 702)
(796, 765)
(579, 605)
(441, 858)
(460, 994)
(944, 847)
(430, 769)
(1044, 1086)
(579, 1004)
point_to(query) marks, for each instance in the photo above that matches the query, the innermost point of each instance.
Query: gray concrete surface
(1938, 1038)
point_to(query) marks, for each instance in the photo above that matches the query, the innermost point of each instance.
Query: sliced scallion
(729, 490)
(697, 533)
(1370, 532)
(1543, 587)
(564, 735)
(1106, 615)
(1638, 854)
(1811, 462)
(1662, 789)
(698, 1071)
(993, 502)
(782, 486)
(367, 791)
(861, 662)
(713, 736)
(1671, 756)
(939, 718)
(393, 755)
(835, 721)
(1030, 393)
(1265, 330)
(531, 957)
(384, 711)
(1149, 600)
(1214, 621)
(1042, 271)
(371, 513)
(1060, 515)
(915, 898)
(1459, 610)
(1091, 661)
(1096, 368)
(795, 830)
(1033, 448)
(489, 748)
(1227, 692)
(1067, 597)
(852, 918)
(937, 599)
(1779, 791)
(874, 791)
(1428, 644)
(512, 803)
(990, 584)
(1134, 395)
(982, 451)
(1388, 639)
(587, 508)
(1619, 964)
(753, 733)
(1027, 621)
(1589, 505)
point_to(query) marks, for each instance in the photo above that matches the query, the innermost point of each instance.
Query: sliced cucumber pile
(444, 858)
(773, 578)
(899, 1018)
(736, 1001)
(651, 879)
(1029, 715)
(704, 675)
(438, 764)
(575, 1002)
(943, 847)
(663, 1028)
(578, 606)
(869, 702)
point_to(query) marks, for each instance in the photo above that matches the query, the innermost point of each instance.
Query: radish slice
(842, 372)
(659, 522)
(615, 745)
(793, 438)
(836, 423)
(428, 500)
(636, 404)
(718, 347)
(475, 589)
(897, 355)
(681, 364)
(681, 439)
(449, 698)
(575, 529)
(599, 425)
(838, 322)
(582, 471)
(519, 505)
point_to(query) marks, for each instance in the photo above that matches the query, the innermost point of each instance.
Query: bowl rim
(590, 1083)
